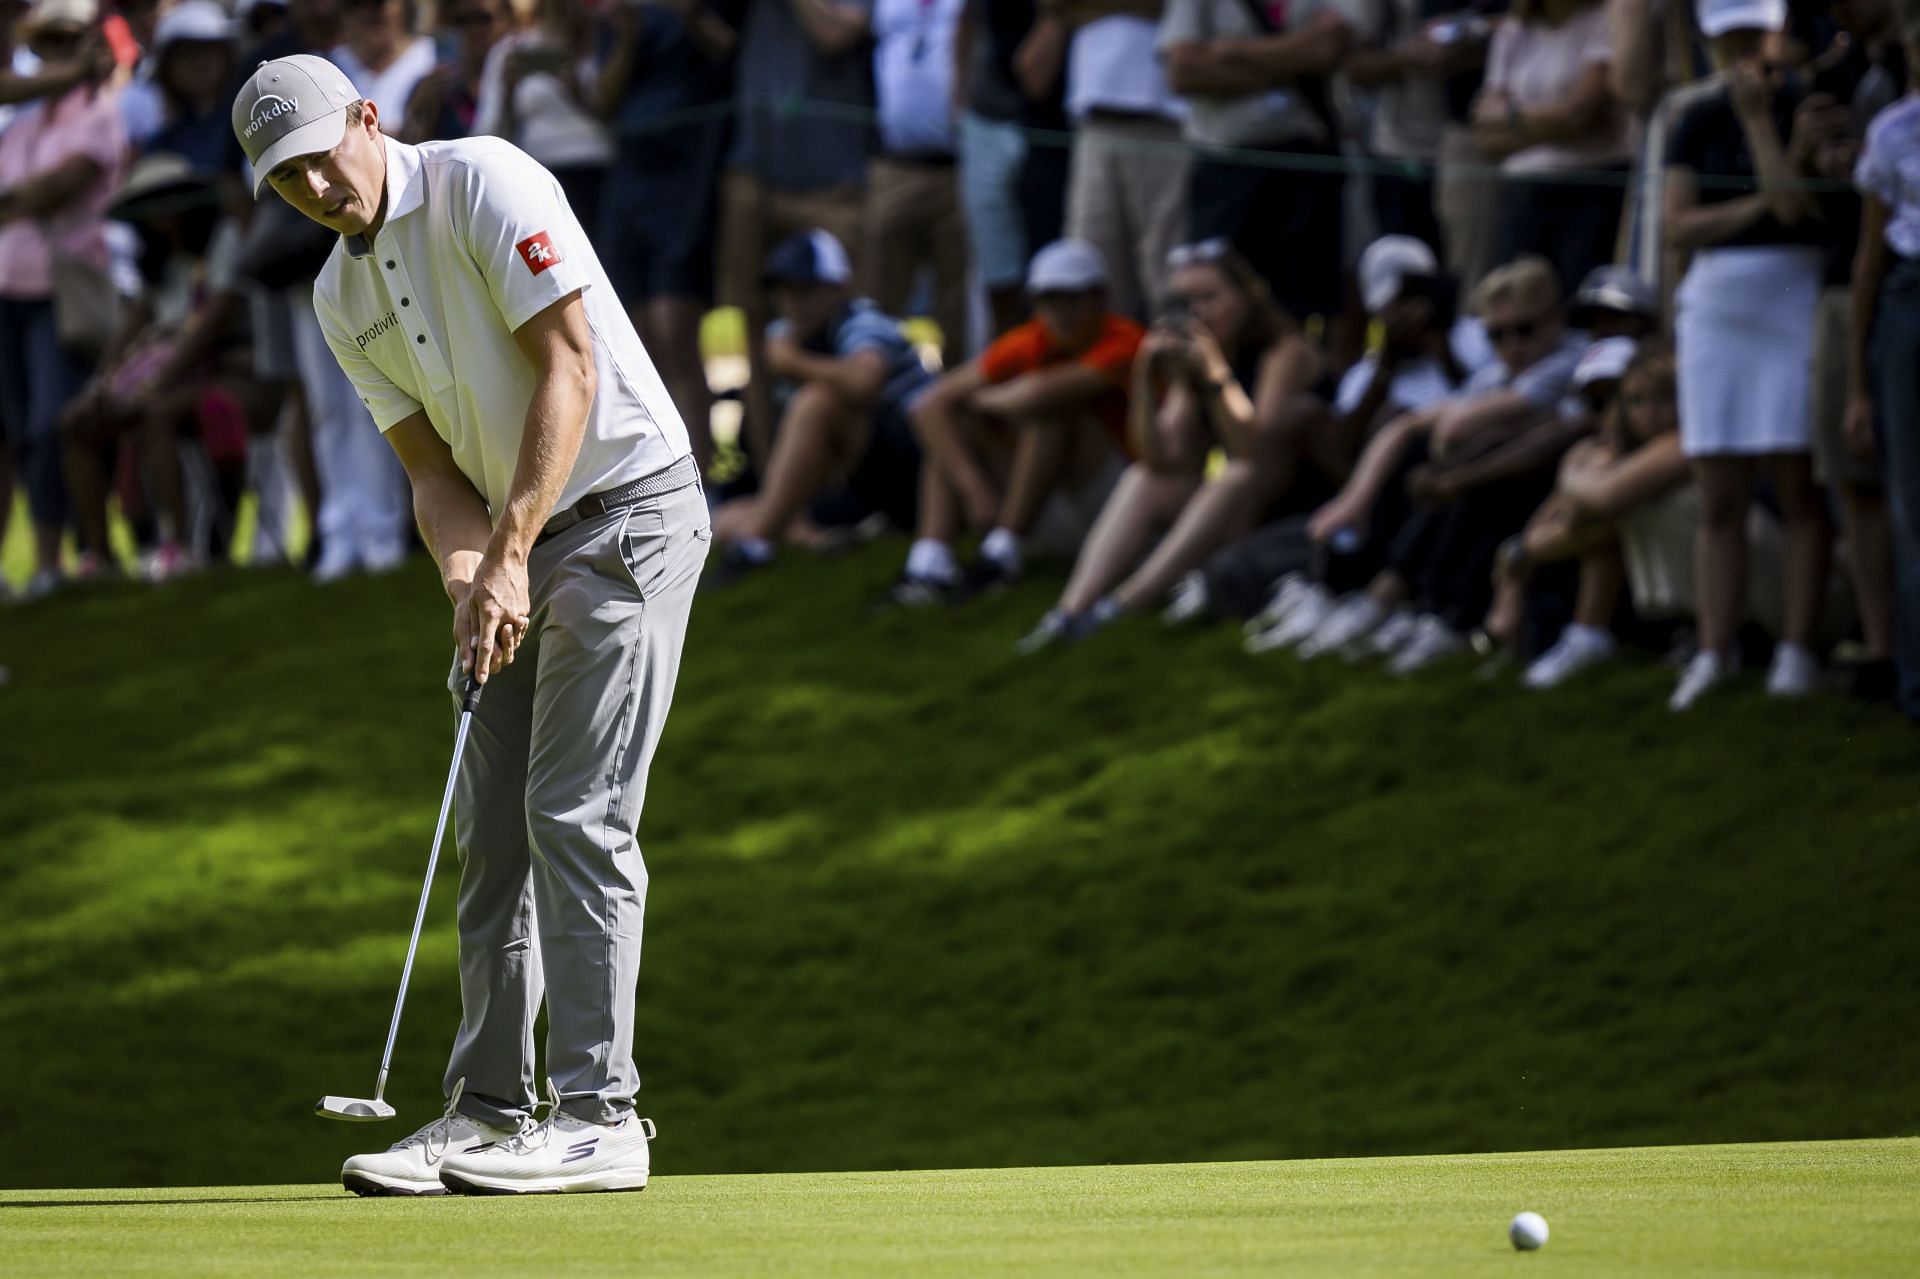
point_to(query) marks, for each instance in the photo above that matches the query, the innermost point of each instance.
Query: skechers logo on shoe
(384, 324)
(580, 1150)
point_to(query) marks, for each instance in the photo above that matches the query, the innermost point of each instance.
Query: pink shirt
(1536, 66)
(84, 122)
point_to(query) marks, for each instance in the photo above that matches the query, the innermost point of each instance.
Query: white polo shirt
(478, 240)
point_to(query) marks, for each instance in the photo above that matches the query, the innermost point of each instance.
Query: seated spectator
(1547, 108)
(1014, 192)
(190, 65)
(1632, 462)
(848, 379)
(1128, 176)
(787, 170)
(1032, 426)
(1231, 371)
(913, 215)
(1884, 348)
(1370, 529)
(1256, 77)
(536, 92)
(1615, 302)
(1744, 320)
(664, 83)
(60, 160)
(446, 103)
(172, 369)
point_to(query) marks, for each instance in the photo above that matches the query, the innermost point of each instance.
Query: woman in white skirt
(1744, 333)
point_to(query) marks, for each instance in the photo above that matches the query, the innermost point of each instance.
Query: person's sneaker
(1188, 602)
(1795, 672)
(909, 591)
(170, 562)
(561, 1155)
(1706, 672)
(1392, 635)
(1432, 640)
(1287, 594)
(1301, 618)
(1352, 620)
(1054, 627)
(1577, 648)
(337, 562)
(980, 577)
(411, 1166)
(43, 583)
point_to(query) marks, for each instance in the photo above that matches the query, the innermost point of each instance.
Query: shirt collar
(406, 191)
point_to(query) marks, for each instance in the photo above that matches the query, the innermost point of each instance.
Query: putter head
(353, 1110)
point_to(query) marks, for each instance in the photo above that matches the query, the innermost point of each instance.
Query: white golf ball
(1528, 1231)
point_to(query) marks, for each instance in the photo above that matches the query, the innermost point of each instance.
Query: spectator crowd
(1392, 329)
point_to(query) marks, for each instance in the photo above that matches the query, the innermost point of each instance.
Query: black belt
(591, 507)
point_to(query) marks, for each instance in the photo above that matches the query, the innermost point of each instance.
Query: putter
(370, 1110)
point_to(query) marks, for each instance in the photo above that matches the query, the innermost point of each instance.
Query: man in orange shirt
(1040, 414)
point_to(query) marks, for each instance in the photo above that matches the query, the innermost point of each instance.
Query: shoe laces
(438, 1135)
(536, 1131)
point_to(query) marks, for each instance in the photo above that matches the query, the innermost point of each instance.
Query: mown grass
(1825, 1208)
(919, 903)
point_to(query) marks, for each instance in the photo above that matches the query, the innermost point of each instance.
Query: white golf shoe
(411, 1166)
(560, 1155)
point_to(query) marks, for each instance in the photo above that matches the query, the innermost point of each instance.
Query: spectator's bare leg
(1720, 549)
(1219, 512)
(1144, 502)
(1809, 546)
(818, 427)
(672, 326)
(1870, 565)
(939, 507)
(1603, 575)
(1043, 450)
(159, 443)
(944, 430)
(85, 432)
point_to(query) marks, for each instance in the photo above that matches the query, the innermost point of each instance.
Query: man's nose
(316, 183)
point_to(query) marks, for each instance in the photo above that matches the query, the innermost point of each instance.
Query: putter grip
(470, 694)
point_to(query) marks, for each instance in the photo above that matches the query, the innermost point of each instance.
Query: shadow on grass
(168, 1202)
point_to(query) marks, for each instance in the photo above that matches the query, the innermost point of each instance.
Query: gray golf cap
(291, 106)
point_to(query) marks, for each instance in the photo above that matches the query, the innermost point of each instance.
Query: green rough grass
(918, 903)
(1822, 1208)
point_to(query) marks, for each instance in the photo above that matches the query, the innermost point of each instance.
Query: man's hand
(1750, 89)
(1819, 120)
(1859, 426)
(490, 620)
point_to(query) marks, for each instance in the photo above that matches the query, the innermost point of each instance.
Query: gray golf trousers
(552, 885)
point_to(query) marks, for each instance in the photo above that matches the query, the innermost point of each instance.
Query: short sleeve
(1500, 55)
(388, 403)
(1113, 353)
(868, 331)
(1875, 173)
(1181, 22)
(1013, 353)
(518, 230)
(1354, 384)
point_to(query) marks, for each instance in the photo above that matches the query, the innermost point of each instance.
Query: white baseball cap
(1717, 17)
(291, 106)
(71, 15)
(1067, 266)
(1387, 263)
(1604, 361)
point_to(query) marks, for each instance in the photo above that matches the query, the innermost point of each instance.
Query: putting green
(1849, 1208)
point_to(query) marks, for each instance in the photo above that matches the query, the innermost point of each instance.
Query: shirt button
(406, 302)
(389, 264)
(421, 339)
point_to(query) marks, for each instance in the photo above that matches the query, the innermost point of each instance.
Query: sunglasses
(1519, 330)
(1212, 249)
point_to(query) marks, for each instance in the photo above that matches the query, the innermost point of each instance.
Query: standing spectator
(1654, 73)
(850, 378)
(791, 169)
(1425, 61)
(1744, 339)
(914, 217)
(192, 62)
(1128, 176)
(1035, 418)
(1884, 363)
(1547, 109)
(1256, 81)
(383, 52)
(536, 92)
(60, 161)
(664, 85)
(1011, 61)
(446, 102)
(1847, 94)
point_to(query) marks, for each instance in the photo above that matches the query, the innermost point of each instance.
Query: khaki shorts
(1833, 461)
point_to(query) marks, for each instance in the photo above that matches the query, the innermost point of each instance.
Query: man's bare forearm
(556, 424)
(453, 522)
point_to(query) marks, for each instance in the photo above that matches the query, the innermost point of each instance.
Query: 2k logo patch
(538, 253)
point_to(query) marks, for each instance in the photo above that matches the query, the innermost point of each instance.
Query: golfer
(554, 484)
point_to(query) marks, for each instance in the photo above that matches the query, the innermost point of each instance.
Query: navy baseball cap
(811, 257)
